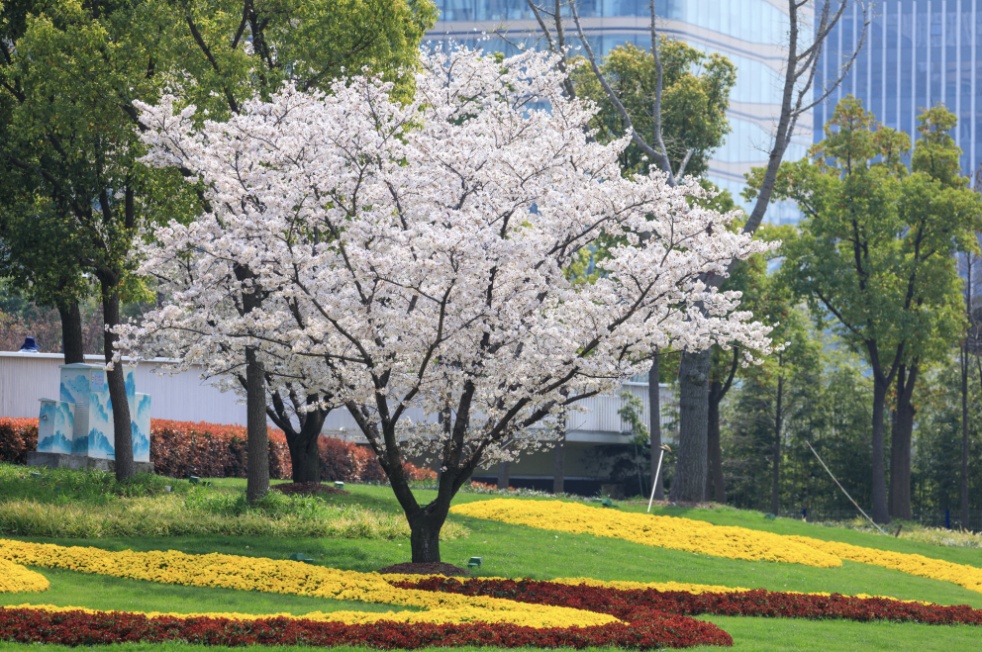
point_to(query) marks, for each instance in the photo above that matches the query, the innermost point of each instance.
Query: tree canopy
(412, 259)
(695, 95)
(876, 252)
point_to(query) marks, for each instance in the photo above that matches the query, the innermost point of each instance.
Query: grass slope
(517, 551)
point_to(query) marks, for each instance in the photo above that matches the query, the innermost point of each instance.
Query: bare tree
(809, 24)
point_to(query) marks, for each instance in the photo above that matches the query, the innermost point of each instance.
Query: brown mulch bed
(307, 489)
(431, 568)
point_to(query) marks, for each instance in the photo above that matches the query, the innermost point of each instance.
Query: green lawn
(516, 551)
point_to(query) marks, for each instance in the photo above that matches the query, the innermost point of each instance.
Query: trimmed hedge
(208, 450)
(18, 437)
(182, 448)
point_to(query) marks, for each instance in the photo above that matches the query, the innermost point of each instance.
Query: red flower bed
(624, 604)
(80, 628)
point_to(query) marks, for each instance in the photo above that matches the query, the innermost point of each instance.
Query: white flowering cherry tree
(414, 259)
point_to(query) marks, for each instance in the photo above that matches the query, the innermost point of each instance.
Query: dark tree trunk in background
(963, 363)
(718, 388)
(715, 485)
(503, 475)
(778, 423)
(71, 332)
(714, 456)
(122, 426)
(654, 424)
(689, 483)
(900, 442)
(963, 480)
(559, 458)
(880, 513)
(257, 477)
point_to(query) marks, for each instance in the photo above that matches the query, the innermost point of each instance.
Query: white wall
(27, 377)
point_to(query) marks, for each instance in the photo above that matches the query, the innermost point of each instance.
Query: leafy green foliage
(876, 248)
(695, 96)
(73, 196)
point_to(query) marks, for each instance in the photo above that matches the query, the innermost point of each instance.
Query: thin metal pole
(654, 485)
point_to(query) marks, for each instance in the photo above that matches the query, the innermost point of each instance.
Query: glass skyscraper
(918, 53)
(752, 33)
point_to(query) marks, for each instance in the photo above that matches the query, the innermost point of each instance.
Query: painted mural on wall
(81, 422)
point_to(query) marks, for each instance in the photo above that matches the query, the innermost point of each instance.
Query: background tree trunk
(689, 483)
(778, 421)
(559, 459)
(654, 423)
(900, 441)
(880, 513)
(257, 475)
(963, 361)
(122, 426)
(963, 480)
(715, 485)
(71, 332)
(504, 476)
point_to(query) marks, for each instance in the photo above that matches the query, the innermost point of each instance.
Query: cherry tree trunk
(305, 460)
(689, 483)
(424, 531)
(257, 475)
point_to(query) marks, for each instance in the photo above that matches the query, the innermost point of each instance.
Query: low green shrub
(93, 505)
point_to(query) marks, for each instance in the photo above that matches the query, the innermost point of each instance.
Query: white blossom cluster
(417, 254)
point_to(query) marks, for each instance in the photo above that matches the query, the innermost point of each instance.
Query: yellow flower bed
(661, 531)
(277, 576)
(14, 578)
(440, 616)
(969, 577)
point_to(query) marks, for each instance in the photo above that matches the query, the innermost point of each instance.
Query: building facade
(917, 53)
(752, 33)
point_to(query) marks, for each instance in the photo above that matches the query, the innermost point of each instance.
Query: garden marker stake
(654, 483)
